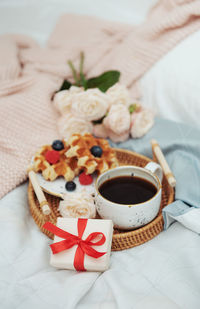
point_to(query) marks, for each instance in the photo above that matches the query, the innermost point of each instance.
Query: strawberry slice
(85, 179)
(52, 156)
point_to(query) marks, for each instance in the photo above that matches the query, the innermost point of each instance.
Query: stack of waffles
(69, 158)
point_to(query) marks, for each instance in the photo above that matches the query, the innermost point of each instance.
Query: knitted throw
(29, 74)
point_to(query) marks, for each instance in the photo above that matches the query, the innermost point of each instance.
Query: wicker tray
(121, 239)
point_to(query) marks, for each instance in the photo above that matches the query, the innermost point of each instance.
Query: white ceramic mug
(130, 216)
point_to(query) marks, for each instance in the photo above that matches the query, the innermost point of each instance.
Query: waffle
(66, 167)
(80, 146)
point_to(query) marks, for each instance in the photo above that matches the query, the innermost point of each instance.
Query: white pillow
(172, 86)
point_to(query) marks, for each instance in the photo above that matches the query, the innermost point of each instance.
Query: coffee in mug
(127, 190)
(130, 196)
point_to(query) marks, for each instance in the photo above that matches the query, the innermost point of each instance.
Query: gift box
(81, 244)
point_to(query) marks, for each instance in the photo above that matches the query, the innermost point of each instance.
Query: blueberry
(96, 151)
(58, 145)
(70, 186)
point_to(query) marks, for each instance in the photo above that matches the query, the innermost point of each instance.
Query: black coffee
(127, 190)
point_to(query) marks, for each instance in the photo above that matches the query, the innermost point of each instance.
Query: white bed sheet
(172, 86)
(163, 273)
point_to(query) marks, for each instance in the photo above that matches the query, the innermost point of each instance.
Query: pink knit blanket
(29, 74)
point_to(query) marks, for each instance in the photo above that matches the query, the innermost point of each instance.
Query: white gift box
(65, 258)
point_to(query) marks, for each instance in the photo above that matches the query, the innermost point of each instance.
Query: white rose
(91, 104)
(78, 205)
(118, 119)
(141, 122)
(119, 94)
(69, 124)
(63, 99)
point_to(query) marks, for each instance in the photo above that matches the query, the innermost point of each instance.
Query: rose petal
(63, 99)
(99, 130)
(91, 104)
(119, 94)
(77, 205)
(116, 138)
(69, 124)
(141, 122)
(118, 119)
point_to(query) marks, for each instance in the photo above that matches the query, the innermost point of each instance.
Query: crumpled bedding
(162, 273)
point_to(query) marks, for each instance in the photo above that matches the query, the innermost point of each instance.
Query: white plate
(57, 187)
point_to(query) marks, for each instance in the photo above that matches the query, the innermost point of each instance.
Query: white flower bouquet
(101, 106)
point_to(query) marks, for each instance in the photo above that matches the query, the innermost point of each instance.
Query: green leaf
(132, 108)
(65, 85)
(74, 72)
(83, 81)
(104, 81)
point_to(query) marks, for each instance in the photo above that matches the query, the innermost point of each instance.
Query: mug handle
(156, 169)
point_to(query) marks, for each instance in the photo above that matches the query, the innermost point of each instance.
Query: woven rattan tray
(121, 239)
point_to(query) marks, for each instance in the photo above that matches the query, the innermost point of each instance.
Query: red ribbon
(84, 246)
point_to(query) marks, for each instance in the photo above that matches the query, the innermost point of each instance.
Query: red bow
(84, 246)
